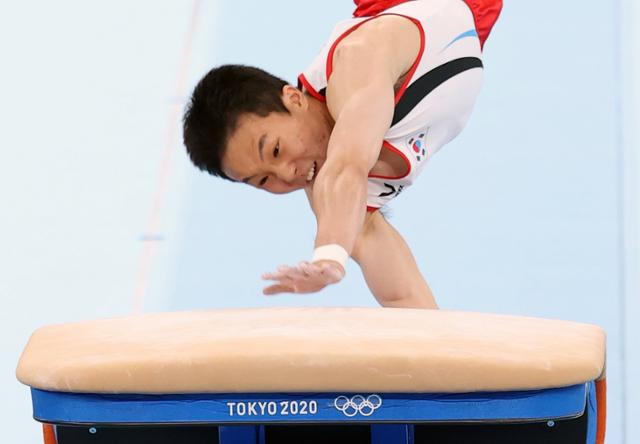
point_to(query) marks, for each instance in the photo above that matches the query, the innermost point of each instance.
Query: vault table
(305, 375)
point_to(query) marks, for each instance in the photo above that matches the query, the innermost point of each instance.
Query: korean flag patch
(417, 144)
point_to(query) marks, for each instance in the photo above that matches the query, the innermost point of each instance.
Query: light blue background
(531, 211)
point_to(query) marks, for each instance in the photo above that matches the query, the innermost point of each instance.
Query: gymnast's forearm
(340, 189)
(339, 196)
(389, 267)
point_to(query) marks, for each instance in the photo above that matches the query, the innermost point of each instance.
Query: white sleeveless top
(435, 100)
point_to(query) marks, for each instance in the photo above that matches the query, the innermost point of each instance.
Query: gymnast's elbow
(406, 297)
(347, 167)
(342, 176)
(388, 266)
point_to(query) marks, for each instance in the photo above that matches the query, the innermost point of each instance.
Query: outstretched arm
(388, 266)
(360, 96)
(366, 66)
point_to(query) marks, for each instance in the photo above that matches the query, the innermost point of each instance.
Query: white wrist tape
(331, 252)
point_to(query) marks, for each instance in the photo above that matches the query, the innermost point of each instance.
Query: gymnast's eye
(263, 181)
(276, 150)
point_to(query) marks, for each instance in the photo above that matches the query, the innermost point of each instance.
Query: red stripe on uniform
(304, 82)
(412, 71)
(388, 146)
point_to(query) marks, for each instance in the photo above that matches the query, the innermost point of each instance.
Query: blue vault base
(242, 418)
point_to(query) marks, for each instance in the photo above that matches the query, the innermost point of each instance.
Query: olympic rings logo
(357, 404)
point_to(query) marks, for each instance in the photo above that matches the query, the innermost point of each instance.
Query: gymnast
(391, 86)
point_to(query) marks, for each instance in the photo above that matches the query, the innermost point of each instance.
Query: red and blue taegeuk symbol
(417, 145)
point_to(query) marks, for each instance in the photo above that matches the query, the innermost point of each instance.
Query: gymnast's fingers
(278, 288)
(296, 273)
(284, 268)
(273, 276)
(283, 272)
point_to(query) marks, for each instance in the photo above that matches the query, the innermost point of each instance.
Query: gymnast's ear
(294, 99)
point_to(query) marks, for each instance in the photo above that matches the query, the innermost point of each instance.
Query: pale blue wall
(521, 214)
(86, 92)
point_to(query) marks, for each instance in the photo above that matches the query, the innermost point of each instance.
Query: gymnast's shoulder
(389, 43)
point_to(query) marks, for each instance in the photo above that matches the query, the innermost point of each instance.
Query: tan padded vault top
(312, 350)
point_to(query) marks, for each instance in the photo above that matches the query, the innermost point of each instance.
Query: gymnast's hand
(305, 277)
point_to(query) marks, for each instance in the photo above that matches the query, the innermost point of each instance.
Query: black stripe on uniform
(429, 81)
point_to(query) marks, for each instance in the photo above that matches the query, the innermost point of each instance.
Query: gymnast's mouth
(312, 172)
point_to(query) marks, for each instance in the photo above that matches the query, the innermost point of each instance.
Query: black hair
(218, 100)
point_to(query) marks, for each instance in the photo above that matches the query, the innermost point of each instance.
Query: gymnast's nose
(288, 172)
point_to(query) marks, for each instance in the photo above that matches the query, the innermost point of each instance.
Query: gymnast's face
(281, 152)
